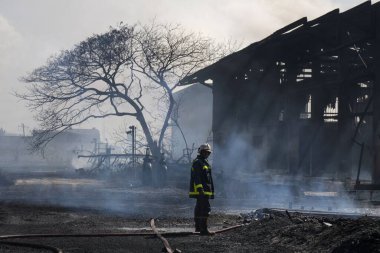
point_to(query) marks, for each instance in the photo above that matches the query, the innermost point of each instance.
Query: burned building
(305, 100)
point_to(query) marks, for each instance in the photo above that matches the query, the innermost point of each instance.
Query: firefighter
(202, 188)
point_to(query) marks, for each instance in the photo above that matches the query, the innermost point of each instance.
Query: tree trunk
(167, 118)
(151, 144)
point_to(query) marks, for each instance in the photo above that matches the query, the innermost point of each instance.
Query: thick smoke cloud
(243, 177)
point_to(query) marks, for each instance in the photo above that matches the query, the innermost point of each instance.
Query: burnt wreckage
(309, 95)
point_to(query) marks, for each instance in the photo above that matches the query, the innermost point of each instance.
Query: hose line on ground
(33, 245)
(57, 250)
(164, 241)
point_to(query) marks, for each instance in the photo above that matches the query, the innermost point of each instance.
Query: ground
(50, 205)
(265, 230)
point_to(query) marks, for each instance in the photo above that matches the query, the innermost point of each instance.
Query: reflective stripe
(205, 193)
(198, 186)
(205, 167)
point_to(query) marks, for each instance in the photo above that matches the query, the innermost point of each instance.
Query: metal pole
(133, 145)
(133, 133)
(360, 164)
(108, 157)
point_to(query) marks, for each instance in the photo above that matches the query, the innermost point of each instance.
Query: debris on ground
(273, 231)
(264, 230)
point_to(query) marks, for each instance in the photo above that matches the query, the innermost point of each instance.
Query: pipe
(33, 245)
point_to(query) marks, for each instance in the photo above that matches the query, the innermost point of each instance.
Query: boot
(204, 230)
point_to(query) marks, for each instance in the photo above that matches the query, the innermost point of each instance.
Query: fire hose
(58, 250)
(33, 245)
(164, 241)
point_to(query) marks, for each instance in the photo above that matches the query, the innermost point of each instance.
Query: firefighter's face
(205, 153)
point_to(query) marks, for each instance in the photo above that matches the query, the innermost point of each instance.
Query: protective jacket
(201, 178)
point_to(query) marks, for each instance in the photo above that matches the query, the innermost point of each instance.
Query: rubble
(273, 231)
(256, 215)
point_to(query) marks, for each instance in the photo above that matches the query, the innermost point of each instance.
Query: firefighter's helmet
(205, 147)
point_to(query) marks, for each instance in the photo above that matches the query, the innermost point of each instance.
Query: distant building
(194, 116)
(59, 153)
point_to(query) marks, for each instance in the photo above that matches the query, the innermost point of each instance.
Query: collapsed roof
(300, 40)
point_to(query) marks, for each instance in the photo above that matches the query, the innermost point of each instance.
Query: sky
(31, 31)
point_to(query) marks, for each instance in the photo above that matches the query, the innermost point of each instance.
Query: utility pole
(23, 129)
(133, 133)
(108, 156)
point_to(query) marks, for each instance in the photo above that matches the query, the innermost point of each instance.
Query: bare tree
(169, 54)
(105, 76)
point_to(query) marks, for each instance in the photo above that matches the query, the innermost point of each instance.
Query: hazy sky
(32, 30)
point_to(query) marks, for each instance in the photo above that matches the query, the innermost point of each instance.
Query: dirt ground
(265, 230)
(37, 204)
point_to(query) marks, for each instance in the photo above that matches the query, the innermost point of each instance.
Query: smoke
(50, 180)
(98, 194)
(244, 180)
(245, 184)
(10, 39)
(239, 156)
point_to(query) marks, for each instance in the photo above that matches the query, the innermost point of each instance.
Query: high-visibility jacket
(201, 178)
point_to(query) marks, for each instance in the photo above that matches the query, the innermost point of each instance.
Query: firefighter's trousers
(201, 212)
